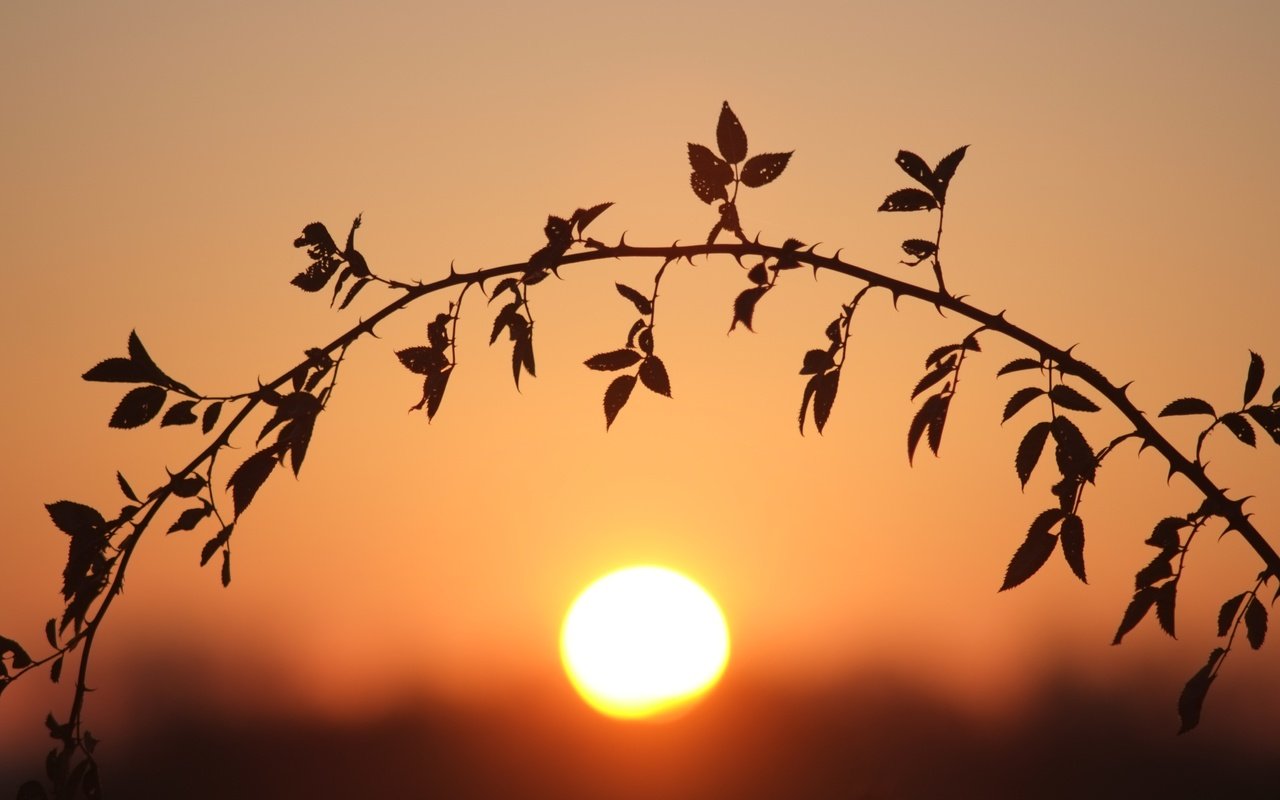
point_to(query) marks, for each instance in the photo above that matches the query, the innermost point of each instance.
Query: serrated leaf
(120, 370)
(763, 168)
(210, 416)
(1068, 397)
(931, 379)
(1074, 455)
(916, 167)
(637, 299)
(707, 191)
(1255, 622)
(1138, 607)
(824, 397)
(55, 671)
(613, 360)
(75, 519)
(558, 231)
(730, 137)
(1019, 401)
(1188, 405)
(834, 331)
(758, 275)
(810, 388)
(1029, 450)
(433, 391)
(213, 545)
(584, 217)
(1191, 701)
(1034, 550)
(616, 396)
(138, 407)
(522, 356)
(1268, 419)
(936, 355)
(653, 374)
(1238, 424)
(179, 413)
(744, 307)
(1227, 614)
(1161, 567)
(708, 166)
(422, 360)
(816, 362)
(1072, 536)
(125, 488)
(645, 341)
(945, 170)
(189, 486)
(1017, 365)
(249, 477)
(1253, 381)
(908, 200)
(1165, 534)
(922, 421)
(919, 248)
(1166, 599)
(190, 518)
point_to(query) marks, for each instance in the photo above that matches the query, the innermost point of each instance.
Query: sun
(643, 641)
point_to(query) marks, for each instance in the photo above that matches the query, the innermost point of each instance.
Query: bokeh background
(393, 616)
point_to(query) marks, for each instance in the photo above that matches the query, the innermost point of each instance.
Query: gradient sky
(1118, 194)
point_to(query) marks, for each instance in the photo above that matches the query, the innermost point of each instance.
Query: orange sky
(1118, 193)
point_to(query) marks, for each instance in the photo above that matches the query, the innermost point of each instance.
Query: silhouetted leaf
(919, 248)
(1188, 405)
(1075, 456)
(824, 397)
(1255, 622)
(75, 519)
(1227, 614)
(758, 275)
(1019, 364)
(505, 285)
(138, 407)
(1019, 400)
(936, 355)
(1035, 549)
(615, 397)
(1165, 534)
(210, 416)
(189, 486)
(1239, 425)
(249, 477)
(932, 413)
(810, 388)
(422, 360)
(908, 200)
(1253, 381)
(1166, 599)
(744, 307)
(1268, 419)
(121, 370)
(226, 568)
(933, 378)
(1068, 397)
(213, 545)
(834, 331)
(653, 374)
(558, 231)
(730, 136)
(709, 166)
(1072, 536)
(763, 168)
(324, 257)
(190, 518)
(125, 488)
(19, 655)
(522, 356)
(433, 391)
(508, 317)
(51, 632)
(1161, 567)
(55, 671)
(645, 341)
(916, 167)
(817, 361)
(613, 360)
(945, 170)
(1138, 607)
(179, 413)
(707, 191)
(1029, 450)
(637, 299)
(584, 217)
(1191, 701)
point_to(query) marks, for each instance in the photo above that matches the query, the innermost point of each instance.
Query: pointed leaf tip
(730, 137)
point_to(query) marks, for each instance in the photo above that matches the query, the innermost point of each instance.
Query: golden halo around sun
(643, 641)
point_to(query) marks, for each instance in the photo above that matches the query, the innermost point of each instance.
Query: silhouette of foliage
(100, 546)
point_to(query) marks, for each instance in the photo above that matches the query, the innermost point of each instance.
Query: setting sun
(642, 641)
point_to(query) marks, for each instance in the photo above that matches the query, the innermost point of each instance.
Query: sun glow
(643, 641)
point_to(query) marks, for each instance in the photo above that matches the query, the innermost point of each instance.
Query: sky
(159, 159)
